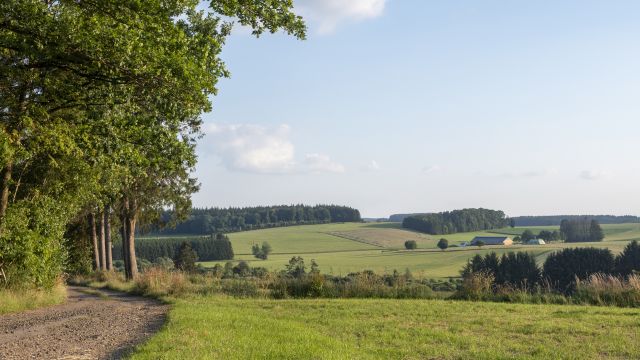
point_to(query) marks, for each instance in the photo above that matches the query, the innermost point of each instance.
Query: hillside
(343, 248)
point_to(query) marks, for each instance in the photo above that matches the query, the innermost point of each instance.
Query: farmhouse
(492, 240)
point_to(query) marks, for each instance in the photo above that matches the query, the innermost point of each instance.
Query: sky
(400, 106)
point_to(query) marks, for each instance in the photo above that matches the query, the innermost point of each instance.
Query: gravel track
(89, 325)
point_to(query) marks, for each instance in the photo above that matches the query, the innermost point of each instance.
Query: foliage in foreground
(100, 106)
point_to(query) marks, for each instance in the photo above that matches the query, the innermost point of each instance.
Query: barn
(492, 240)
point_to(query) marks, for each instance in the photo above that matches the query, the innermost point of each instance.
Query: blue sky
(414, 106)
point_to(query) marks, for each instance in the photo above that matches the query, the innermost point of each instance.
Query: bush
(261, 252)
(629, 260)
(240, 288)
(476, 286)
(443, 244)
(186, 258)
(410, 245)
(31, 243)
(562, 268)
(159, 282)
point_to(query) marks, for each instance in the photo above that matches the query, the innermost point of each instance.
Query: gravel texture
(89, 325)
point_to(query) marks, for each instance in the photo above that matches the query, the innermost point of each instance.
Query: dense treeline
(215, 247)
(581, 230)
(555, 220)
(100, 110)
(401, 217)
(214, 220)
(456, 221)
(562, 270)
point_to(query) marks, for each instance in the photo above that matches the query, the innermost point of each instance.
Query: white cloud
(329, 14)
(252, 148)
(260, 149)
(431, 169)
(371, 166)
(322, 163)
(592, 175)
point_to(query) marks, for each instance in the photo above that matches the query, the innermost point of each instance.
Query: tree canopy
(100, 103)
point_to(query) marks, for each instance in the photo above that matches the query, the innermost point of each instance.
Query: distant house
(536, 242)
(492, 240)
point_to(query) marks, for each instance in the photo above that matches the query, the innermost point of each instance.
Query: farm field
(343, 248)
(219, 327)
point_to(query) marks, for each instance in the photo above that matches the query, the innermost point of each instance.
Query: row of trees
(560, 269)
(215, 247)
(554, 220)
(100, 106)
(456, 221)
(210, 220)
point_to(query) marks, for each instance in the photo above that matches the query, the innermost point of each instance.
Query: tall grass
(600, 289)
(27, 299)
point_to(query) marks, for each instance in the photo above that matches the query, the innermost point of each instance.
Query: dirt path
(87, 326)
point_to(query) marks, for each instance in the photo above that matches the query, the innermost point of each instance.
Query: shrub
(629, 259)
(240, 288)
(443, 244)
(186, 258)
(410, 245)
(159, 282)
(562, 268)
(519, 270)
(261, 252)
(476, 286)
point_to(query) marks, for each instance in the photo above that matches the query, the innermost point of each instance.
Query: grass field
(343, 248)
(224, 328)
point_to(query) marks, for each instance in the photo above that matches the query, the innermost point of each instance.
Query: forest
(455, 221)
(205, 221)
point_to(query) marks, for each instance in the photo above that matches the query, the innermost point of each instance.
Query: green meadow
(343, 248)
(217, 327)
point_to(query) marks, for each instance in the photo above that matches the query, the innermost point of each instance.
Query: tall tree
(107, 234)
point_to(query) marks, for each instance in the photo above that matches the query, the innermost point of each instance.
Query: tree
(512, 222)
(261, 252)
(629, 260)
(443, 244)
(296, 267)
(595, 231)
(266, 250)
(527, 235)
(479, 243)
(410, 245)
(186, 258)
(91, 89)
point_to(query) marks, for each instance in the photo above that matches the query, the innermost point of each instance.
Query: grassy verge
(20, 300)
(219, 327)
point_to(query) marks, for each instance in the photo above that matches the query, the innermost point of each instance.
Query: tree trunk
(132, 217)
(107, 235)
(4, 193)
(103, 251)
(94, 240)
(125, 237)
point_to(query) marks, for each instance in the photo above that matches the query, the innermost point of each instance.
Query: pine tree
(186, 258)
